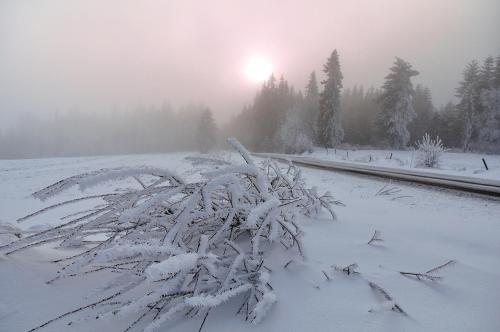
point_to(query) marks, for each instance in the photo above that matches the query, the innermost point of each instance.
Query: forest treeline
(395, 115)
(144, 130)
(280, 118)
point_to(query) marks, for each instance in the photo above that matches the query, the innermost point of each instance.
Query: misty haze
(258, 165)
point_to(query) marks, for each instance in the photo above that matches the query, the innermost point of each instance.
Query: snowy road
(465, 183)
(421, 226)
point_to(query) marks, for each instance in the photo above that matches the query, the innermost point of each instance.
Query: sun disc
(258, 69)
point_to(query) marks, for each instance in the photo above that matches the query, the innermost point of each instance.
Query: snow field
(421, 228)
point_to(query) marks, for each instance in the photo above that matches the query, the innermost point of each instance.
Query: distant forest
(395, 115)
(145, 130)
(280, 118)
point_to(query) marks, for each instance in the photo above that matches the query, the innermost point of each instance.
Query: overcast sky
(96, 55)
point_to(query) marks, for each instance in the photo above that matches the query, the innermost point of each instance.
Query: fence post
(485, 165)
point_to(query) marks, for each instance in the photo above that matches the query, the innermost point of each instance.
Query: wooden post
(485, 165)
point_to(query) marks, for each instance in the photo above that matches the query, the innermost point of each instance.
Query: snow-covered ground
(421, 227)
(456, 163)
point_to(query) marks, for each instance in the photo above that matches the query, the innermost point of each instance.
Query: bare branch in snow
(387, 191)
(442, 266)
(375, 238)
(379, 291)
(430, 274)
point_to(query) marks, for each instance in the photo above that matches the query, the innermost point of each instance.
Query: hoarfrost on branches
(292, 137)
(429, 151)
(397, 104)
(183, 248)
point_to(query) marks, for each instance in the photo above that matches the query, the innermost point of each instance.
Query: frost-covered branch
(430, 274)
(386, 298)
(183, 247)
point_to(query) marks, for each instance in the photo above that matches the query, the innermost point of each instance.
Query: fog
(97, 56)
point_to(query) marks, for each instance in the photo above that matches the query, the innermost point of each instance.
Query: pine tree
(424, 112)
(487, 73)
(311, 107)
(448, 125)
(330, 128)
(469, 105)
(496, 80)
(207, 132)
(268, 113)
(489, 116)
(396, 102)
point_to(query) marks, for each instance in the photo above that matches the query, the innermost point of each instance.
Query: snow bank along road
(464, 183)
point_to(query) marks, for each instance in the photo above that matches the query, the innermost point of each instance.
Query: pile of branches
(184, 248)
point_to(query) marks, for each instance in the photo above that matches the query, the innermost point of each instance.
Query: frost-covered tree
(487, 74)
(396, 103)
(359, 111)
(330, 131)
(207, 132)
(424, 112)
(496, 79)
(479, 106)
(259, 123)
(488, 132)
(447, 123)
(469, 105)
(292, 136)
(311, 107)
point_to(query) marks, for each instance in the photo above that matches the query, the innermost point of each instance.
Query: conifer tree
(469, 105)
(496, 79)
(330, 128)
(396, 103)
(448, 125)
(207, 132)
(487, 73)
(489, 116)
(269, 110)
(424, 112)
(311, 107)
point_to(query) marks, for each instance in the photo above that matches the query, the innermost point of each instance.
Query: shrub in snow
(183, 248)
(429, 151)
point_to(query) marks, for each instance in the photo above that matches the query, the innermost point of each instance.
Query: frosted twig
(429, 275)
(387, 191)
(375, 237)
(381, 292)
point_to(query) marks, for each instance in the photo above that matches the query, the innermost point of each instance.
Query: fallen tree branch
(381, 292)
(429, 275)
(184, 248)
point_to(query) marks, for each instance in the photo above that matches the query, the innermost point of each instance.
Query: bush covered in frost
(183, 248)
(429, 151)
(292, 137)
